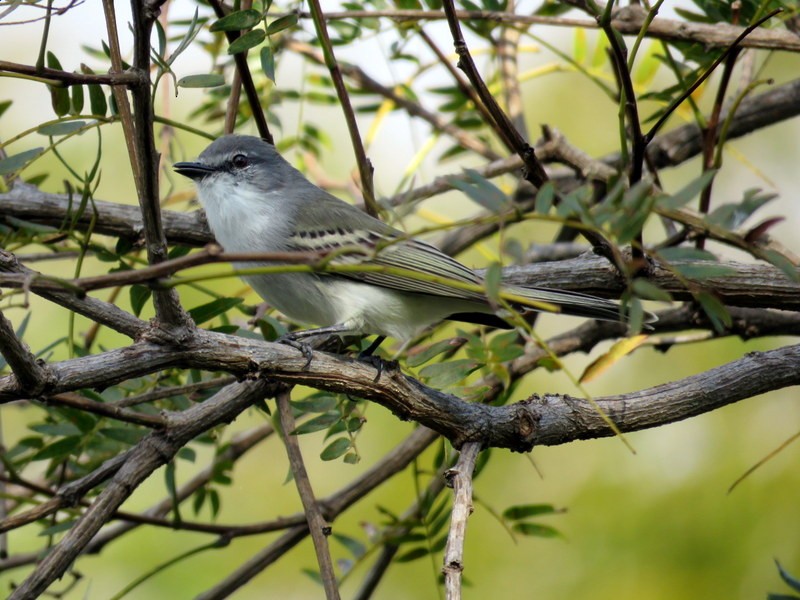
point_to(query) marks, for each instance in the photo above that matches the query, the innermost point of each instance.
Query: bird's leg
(293, 339)
(376, 361)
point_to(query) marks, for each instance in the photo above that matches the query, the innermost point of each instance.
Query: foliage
(662, 242)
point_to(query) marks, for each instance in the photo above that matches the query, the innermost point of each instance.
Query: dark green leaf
(97, 100)
(126, 435)
(177, 251)
(336, 449)
(59, 448)
(59, 98)
(53, 62)
(351, 458)
(77, 99)
(4, 105)
(536, 529)
(236, 21)
(60, 128)
(15, 162)
(282, 23)
(523, 511)
(201, 81)
(58, 528)
(716, 311)
(441, 375)
(318, 423)
(249, 40)
(423, 356)
(139, 297)
(412, 554)
(791, 581)
(481, 190)
(206, 312)
(268, 63)
(318, 403)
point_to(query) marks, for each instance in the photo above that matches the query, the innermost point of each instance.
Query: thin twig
(317, 524)
(460, 478)
(31, 375)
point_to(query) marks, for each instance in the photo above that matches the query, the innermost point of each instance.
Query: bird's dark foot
(379, 363)
(290, 339)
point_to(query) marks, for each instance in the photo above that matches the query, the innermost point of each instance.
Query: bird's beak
(192, 170)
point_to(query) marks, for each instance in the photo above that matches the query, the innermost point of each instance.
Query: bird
(256, 201)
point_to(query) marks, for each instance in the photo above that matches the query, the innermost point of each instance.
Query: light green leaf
(15, 162)
(60, 128)
(201, 81)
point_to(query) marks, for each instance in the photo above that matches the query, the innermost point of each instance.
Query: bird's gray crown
(247, 158)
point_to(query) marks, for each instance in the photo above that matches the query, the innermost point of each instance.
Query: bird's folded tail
(570, 303)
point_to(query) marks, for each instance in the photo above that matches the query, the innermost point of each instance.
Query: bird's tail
(569, 303)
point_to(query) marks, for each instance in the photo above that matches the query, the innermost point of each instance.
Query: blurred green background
(659, 524)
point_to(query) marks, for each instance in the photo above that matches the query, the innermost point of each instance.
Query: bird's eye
(240, 161)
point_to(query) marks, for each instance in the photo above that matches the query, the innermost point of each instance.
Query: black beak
(192, 170)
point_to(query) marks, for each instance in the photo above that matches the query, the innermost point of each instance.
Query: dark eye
(240, 161)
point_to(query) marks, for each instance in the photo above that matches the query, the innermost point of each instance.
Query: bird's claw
(290, 340)
(379, 363)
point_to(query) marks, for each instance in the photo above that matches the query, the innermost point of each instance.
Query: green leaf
(4, 105)
(249, 40)
(126, 435)
(15, 162)
(523, 511)
(282, 23)
(58, 528)
(268, 63)
(97, 100)
(789, 579)
(236, 21)
(481, 190)
(412, 554)
(139, 294)
(492, 278)
(201, 81)
(716, 311)
(60, 128)
(59, 99)
(317, 403)
(336, 448)
(317, 423)
(420, 358)
(441, 375)
(685, 253)
(545, 197)
(688, 193)
(536, 529)
(353, 546)
(59, 448)
(650, 291)
(783, 263)
(704, 270)
(77, 99)
(206, 312)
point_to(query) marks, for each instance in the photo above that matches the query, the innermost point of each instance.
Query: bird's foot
(289, 339)
(379, 363)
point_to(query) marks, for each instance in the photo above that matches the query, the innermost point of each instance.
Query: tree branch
(460, 478)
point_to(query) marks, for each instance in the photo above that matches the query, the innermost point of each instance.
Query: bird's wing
(388, 248)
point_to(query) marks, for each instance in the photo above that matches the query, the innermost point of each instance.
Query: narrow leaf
(201, 81)
(619, 350)
(282, 23)
(524, 511)
(60, 128)
(206, 312)
(268, 63)
(236, 21)
(426, 354)
(249, 40)
(15, 162)
(689, 192)
(336, 449)
(536, 529)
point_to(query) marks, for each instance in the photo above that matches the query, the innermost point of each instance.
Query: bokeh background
(658, 524)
